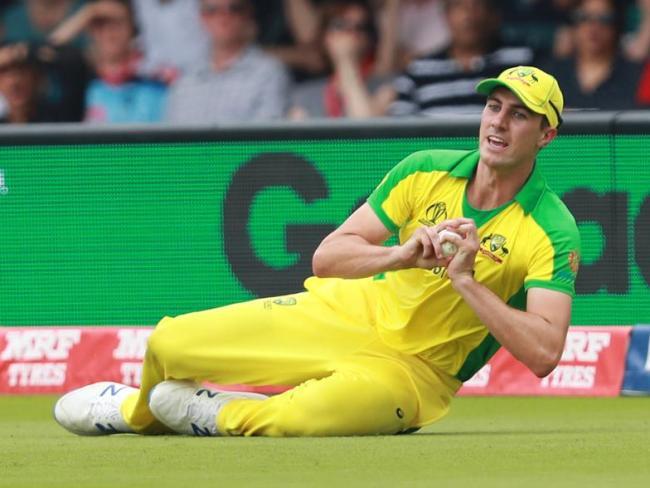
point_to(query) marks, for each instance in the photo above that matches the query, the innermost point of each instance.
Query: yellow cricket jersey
(532, 241)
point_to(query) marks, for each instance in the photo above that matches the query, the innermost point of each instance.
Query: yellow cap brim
(486, 87)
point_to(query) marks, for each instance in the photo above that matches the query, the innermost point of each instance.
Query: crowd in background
(233, 61)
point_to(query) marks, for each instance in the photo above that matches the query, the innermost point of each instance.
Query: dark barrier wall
(124, 227)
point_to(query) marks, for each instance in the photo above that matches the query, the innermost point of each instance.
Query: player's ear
(546, 136)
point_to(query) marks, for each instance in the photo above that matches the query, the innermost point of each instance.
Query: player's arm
(535, 336)
(356, 250)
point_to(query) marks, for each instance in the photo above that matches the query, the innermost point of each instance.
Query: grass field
(486, 442)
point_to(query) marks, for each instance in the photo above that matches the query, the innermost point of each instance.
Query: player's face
(510, 134)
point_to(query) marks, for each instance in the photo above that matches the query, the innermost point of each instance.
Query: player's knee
(163, 341)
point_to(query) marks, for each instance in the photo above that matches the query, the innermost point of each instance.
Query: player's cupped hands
(424, 249)
(466, 240)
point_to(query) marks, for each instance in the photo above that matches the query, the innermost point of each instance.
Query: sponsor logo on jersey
(494, 247)
(574, 261)
(282, 301)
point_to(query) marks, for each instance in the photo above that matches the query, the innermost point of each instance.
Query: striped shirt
(437, 84)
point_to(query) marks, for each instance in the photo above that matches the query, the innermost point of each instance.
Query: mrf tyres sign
(592, 364)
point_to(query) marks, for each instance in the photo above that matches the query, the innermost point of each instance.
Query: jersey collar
(529, 194)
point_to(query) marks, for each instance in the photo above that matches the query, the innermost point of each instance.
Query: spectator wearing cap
(20, 76)
(239, 82)
(119, 93)
(443, 82)
(597, 76)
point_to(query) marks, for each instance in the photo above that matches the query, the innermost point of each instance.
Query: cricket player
(383, 336)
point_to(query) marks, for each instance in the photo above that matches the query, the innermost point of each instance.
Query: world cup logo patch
(435, 213)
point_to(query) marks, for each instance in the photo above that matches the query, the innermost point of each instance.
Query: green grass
(484, 442)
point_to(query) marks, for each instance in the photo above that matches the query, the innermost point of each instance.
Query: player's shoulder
(553, 216)
(430, 160)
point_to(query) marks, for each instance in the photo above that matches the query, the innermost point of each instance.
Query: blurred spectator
(543, 25)
(64, 74)
(34, 20)
(354, 89)
(62, 78)
(289, 30)
(422, 27)
(20, 78)
(238, 82)
(637, 44)
(118, 93)
(170, 36)
(444, 82)
(597, 76)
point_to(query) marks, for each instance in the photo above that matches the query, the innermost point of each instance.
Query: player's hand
(461, 264)
(423, 249)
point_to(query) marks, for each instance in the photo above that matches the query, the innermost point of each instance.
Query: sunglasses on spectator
(233, 8)
(603, 19)
(346, 26)
(99, 22)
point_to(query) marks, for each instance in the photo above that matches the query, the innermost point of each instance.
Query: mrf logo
(36, 345)
(523, 75)
(583, 348)
(37, 357)
(494, 247)
(132, 343)
(435, 214)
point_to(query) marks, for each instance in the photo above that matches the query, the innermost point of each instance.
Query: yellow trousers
(344, 380)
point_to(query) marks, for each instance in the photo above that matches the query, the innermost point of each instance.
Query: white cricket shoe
(94, 409)
(189, 408)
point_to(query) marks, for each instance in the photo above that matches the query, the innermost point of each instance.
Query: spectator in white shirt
(238, 82)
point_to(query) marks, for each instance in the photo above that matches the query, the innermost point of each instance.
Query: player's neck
(490, 188)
